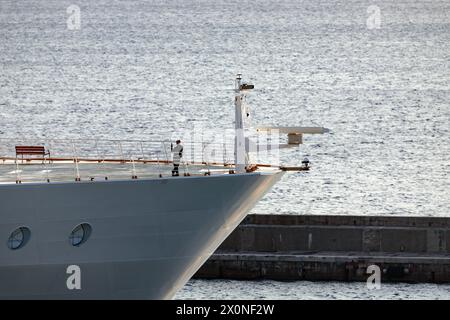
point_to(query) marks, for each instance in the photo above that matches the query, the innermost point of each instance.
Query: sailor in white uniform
(177, 155)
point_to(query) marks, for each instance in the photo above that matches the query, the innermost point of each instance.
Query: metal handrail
(139, 147)
(134, 154)
(85, 153)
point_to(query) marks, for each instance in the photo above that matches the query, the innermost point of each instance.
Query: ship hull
(148, 237)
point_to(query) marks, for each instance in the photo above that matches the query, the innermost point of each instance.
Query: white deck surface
(61, 171)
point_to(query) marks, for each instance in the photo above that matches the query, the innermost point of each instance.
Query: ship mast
(240, 156)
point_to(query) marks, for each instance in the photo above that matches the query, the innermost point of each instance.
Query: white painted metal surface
(298, 130)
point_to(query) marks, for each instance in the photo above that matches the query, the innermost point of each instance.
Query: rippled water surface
(136, 69)
(301, 290)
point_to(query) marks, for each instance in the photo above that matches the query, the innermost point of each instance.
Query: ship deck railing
(97, 159)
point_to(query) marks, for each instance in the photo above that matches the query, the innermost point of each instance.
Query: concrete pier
(338, 248)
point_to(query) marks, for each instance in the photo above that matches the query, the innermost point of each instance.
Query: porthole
(19, 238)
(80, 234)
